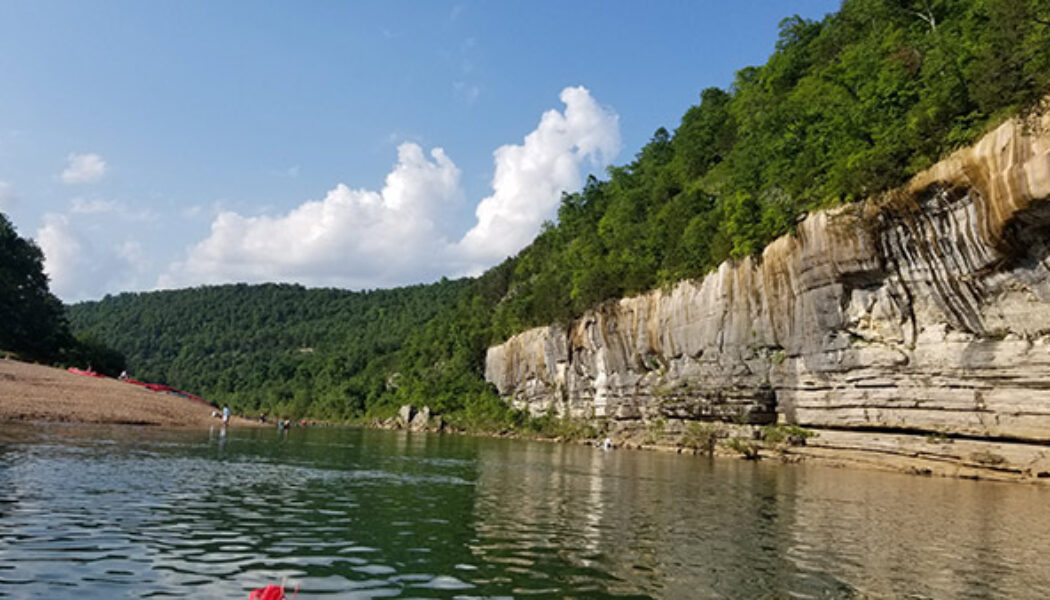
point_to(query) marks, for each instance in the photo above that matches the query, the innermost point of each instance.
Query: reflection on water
(680, 527)
(127, 512)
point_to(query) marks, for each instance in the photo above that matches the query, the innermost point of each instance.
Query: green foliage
(92, 353)
(702, 437)
(746, 448)
(785, 435)
(280, 349)
(323, 353)
(33, 322)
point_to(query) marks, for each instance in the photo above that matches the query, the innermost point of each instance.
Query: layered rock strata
(926, 310)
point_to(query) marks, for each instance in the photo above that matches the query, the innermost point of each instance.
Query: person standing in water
(226, 414)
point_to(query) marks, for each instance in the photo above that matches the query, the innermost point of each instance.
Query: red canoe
(77, 371)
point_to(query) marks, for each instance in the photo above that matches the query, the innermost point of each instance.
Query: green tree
(34, 322)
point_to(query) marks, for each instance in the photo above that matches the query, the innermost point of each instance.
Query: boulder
(404, 415)
(421, 419)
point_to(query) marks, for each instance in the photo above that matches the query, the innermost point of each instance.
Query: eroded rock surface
(926, 310)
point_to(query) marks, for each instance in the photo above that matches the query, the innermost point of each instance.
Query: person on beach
(226, 414)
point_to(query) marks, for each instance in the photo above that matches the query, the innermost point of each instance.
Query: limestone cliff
(924, 310)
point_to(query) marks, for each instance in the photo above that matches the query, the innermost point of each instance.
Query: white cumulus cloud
(81, 268)
(83, 168)
(359, 238)
(530, 177)
(403, 233)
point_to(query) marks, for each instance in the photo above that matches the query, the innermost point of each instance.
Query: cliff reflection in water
(677, 527)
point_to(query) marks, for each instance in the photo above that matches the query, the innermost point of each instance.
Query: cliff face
(925, 310)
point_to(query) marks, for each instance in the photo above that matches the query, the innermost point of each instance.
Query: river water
(125, 512)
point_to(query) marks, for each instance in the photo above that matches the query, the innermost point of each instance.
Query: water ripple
(100, 513)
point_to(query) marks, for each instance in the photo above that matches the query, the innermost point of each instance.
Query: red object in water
(270, 592)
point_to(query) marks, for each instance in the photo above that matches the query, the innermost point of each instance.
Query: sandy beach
(30, 392)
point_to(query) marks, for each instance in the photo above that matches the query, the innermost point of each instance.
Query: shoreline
(897, 452)
(911, 454)
(35, 394)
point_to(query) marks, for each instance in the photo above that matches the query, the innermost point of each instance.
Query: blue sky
(354, 144)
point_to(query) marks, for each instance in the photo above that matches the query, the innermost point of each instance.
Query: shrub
(702, 436)
(790, 435)
(746, 448)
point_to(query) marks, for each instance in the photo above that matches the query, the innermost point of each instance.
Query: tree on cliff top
(845, 108)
